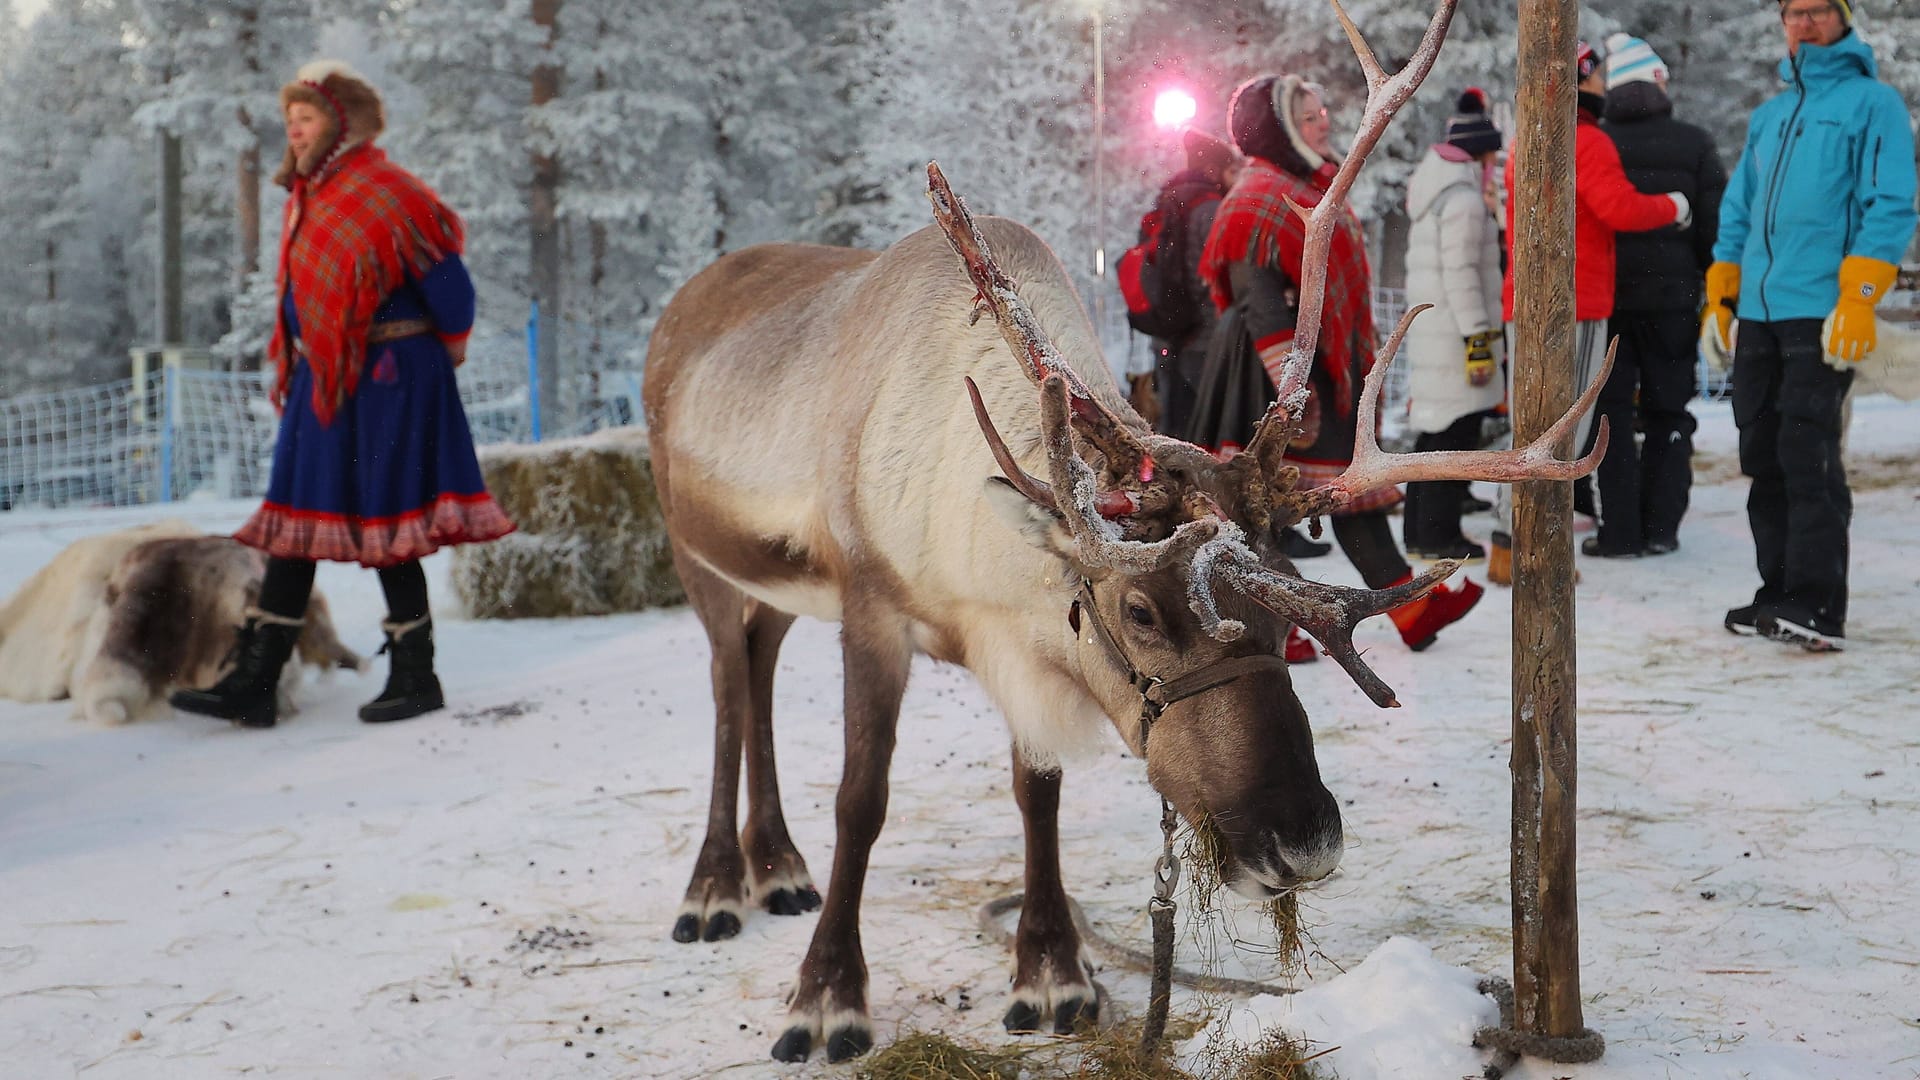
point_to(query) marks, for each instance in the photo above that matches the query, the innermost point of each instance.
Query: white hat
(1630, 59)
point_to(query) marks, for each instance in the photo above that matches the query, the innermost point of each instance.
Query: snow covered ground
(487, 892)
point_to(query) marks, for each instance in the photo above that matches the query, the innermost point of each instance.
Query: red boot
(1300, 648)
(1420, 621)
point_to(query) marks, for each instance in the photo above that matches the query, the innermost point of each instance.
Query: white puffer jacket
(1453, 263)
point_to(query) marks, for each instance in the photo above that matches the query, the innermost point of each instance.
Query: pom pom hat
(1469, 128)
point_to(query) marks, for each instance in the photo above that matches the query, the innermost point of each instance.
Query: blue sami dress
(393, 477)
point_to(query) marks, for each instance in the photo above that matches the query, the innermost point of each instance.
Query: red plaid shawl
(353, 231)
(1254, 218)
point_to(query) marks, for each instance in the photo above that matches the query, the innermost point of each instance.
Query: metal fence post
(170, 415)
(533, 369)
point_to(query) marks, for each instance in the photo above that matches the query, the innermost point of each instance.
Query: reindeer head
(1186, 601)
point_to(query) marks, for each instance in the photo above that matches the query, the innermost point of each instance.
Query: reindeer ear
(1041, 525)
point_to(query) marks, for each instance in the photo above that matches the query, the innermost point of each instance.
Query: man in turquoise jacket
(1812, 228)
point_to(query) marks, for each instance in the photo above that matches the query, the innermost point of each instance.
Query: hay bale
(591, 542)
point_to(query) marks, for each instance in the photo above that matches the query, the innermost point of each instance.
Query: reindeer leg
(830, 996)
(777, 876)
(1051, 973)
(715, 901)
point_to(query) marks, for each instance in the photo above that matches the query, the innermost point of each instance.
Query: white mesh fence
(183, 433)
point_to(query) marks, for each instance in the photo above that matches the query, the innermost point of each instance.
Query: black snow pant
(1787, 403)
(1644, 488)
(1367, 541)
(1177, 378)
(1430, 519)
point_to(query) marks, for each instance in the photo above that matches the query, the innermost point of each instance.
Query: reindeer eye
(1140, 614)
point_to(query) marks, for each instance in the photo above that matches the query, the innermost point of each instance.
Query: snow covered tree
(1000, 93)
(216, 71)
(66, 206)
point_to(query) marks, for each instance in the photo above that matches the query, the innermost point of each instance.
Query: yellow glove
(1723, 293)
(1480, 361)
(1849, 333)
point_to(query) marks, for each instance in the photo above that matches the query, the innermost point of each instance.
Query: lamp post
(1099, 176)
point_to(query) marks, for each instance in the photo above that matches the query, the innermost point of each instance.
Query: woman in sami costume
(374, 462)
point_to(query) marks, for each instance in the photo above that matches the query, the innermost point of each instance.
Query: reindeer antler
(995, 292)
(1374, 468)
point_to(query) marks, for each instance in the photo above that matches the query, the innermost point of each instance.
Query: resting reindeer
(1139, 584)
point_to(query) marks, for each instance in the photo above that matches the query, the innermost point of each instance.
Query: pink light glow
(1173, 108)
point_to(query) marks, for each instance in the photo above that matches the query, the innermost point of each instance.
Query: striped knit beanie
(1630, 59)
(1469, 128)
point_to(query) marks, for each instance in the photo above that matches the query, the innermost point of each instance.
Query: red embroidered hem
(286, 533)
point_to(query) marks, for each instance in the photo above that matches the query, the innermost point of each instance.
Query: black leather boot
(412, 687)
(249, 694)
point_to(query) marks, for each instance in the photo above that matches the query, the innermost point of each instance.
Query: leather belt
(395, 329)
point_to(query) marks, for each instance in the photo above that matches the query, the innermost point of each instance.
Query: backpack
(1152, 272)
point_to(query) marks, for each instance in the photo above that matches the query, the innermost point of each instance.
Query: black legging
(1431, 516)
(289, 582)
(1367, 540)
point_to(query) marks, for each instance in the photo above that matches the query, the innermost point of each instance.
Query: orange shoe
(1300, 648)
(1500, 559)
(1420, 621)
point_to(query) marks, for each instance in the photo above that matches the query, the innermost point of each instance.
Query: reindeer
(1135, 581)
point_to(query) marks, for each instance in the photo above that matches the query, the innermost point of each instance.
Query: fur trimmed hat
(1260, 117)
(1470, 128)
(351, 105)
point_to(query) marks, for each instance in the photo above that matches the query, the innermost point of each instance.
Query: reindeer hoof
(795, 1045)
(686, 928)
(723, 925)
(1069, 1015)
(848, 1043)
(1023, 1018)
(793, 901)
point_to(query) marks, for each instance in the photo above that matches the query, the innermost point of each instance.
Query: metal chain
(1166, 875)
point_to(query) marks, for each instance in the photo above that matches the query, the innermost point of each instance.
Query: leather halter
(1157, 693)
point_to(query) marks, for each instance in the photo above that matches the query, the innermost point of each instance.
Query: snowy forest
(647, 139)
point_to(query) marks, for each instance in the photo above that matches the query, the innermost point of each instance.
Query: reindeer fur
(118, 621)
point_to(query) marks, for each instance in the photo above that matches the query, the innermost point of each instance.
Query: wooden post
(1546, 929)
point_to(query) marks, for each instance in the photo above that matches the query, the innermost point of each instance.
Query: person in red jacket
(1605, 202)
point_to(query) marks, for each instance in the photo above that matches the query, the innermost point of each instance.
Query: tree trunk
(1546, 931)
(247, 168)
(543, 223)
(53, 294)
(167, 323)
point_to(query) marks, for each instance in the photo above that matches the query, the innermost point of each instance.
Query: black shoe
(1664, 546)
(1295, 546)
(1795, 625)
(1591, 546)
(1744, 620)
(412, 687)
(1462, 549)
(249, 693)
(1474, 505)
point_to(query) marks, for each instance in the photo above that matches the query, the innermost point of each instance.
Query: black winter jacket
(1663, 270)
